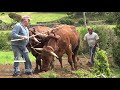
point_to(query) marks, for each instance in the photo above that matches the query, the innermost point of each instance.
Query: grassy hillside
(36, 16)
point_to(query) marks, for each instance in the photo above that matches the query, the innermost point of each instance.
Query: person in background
(92, 39)
(20, 31)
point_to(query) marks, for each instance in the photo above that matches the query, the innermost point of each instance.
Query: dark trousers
(92, 53)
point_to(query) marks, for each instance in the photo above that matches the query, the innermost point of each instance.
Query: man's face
(26, 22)
(90, 31)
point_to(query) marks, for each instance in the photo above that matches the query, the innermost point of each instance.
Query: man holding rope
(20, 31)
(92, 40)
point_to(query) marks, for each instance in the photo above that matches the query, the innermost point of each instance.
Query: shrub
(5, 41)
(116, 46)
(106, 36)
(81, 21)
(101, 65)
(66, 21)
(117, 30)
(0, 21)
(70, 14)
(110, 20)
(15, 16)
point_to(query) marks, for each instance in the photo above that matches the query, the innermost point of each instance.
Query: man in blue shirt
(20, 31)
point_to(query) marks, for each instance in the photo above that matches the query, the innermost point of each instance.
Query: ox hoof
(72, 69)
(36, 71)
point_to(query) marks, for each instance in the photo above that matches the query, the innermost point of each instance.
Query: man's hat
(26, 17)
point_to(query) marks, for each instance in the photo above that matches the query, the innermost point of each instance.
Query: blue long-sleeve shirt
(17, 32)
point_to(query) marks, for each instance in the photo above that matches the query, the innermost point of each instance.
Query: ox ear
(48, 32)
(33, 29)
(57, 36)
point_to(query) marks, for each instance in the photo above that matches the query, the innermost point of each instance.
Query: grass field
(8, 58)
(36, 16)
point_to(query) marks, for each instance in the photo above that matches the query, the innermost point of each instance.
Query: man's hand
(93, 46)
(24, 37)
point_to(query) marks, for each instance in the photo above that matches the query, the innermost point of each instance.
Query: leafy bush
(106, 36)
(81, 21)
(110, 20)
(15, 16)
(116, 46)
(101, 65)
(66, 21)
(0, 21)
(70, 14)
(117, 30)
(5, 41)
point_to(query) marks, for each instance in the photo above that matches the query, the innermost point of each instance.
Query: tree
(15, 17)
(84, 17)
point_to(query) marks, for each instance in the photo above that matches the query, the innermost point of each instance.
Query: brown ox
(67, 41)
(33, 43)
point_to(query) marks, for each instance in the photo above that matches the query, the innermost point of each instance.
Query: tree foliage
(116, 45)
(15, 17)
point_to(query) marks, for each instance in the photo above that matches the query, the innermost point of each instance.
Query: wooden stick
(36, 34)
(85, 57)
(29, 37)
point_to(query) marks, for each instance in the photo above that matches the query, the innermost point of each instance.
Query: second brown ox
(67, 41)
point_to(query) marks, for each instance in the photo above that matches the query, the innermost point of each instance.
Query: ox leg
(60, 60)
(69, 53)
(75, 57)
(39, 61)
(36, 68)
(74, 61)
(52, 64)
(38, 64)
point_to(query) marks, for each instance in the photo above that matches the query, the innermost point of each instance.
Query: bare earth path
(6, 71)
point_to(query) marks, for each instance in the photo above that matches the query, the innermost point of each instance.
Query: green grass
(8, 57)
(5, 31)
(81, 73)
(49, 74)
(115, 72)
(37, 16)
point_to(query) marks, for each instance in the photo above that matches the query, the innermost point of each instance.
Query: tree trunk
(84, 17)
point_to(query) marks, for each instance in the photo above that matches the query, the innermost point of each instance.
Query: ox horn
(36, 40)
(40, 49)
(54, 54)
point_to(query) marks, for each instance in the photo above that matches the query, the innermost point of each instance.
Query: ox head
(47, 57)
(48, 52)
(32, 31)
